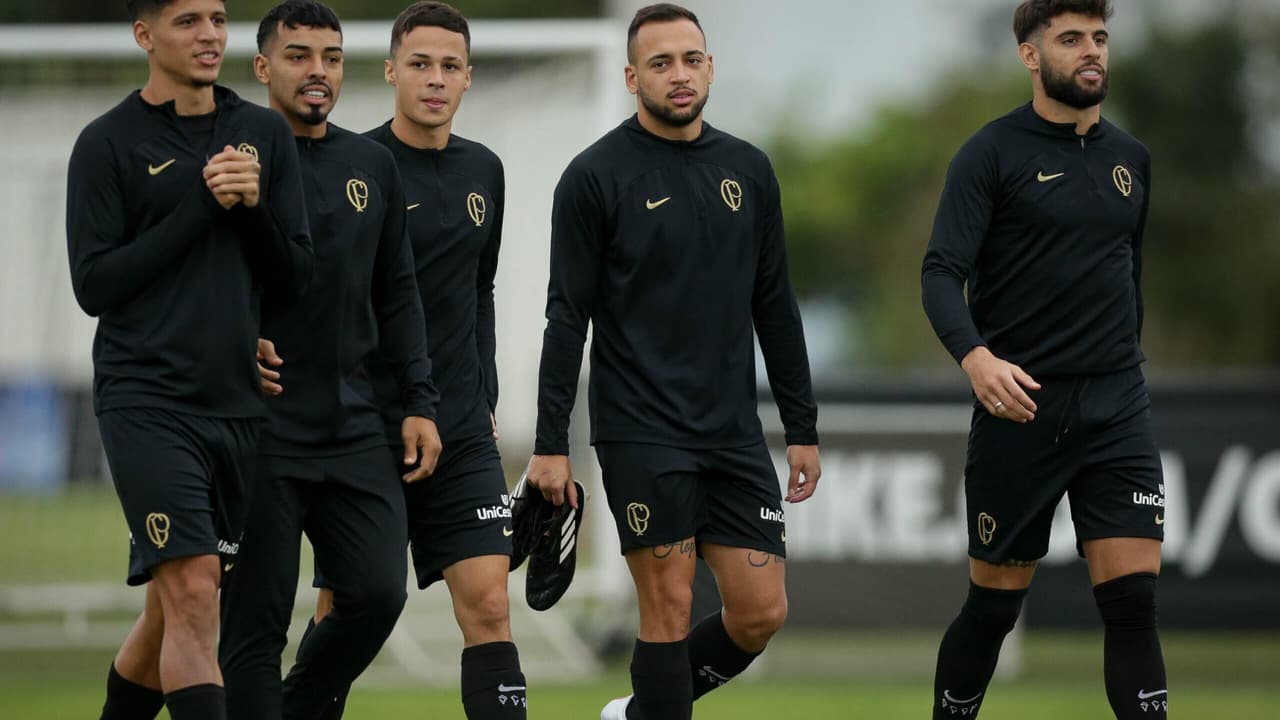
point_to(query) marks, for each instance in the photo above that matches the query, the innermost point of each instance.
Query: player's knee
(753, 627)
(994, 610)
(491, 608)
(667, 607)
(1128, 602)
(187, 591)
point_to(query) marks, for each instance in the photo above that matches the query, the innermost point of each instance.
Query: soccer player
(667, 235)
(323, 465)
(184, 204)
(1043, 215)
(459, 522)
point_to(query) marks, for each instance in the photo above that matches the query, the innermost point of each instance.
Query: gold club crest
(358, 194)
(158, 529)
(475, 208)
(986, 528)
(638, 517)
(249, 149)
(1123, 180)
(731, 193)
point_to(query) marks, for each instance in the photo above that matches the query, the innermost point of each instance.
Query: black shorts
(183, 482)
(1091, 440)
(461, 511)
(660, 494)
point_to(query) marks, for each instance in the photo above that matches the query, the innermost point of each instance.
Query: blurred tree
(108, 10)
(860, 209)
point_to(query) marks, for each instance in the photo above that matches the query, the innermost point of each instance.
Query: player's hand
(805, 464)
(493, 423)
(421, 445)
(998, 385)
(267, 359)
(551, 475)
(233, 173)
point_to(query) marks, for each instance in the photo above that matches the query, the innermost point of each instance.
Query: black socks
(662, 681)
(127, 700)
(198, 702)
(714, 657)
(492, 685)
(1132, 662)
(970, 648)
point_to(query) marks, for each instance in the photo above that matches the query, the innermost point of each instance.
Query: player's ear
(467, 85)
(142, 35)
(711, 69)
(633, 82)
(1029, 54)
(389, 72)
(261, 69)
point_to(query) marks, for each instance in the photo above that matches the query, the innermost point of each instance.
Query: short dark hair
(138, 8)
(660, 12)
(429, 13)
(1033, 16)
(295, 14)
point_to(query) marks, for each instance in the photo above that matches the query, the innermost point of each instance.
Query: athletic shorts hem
(155, 560)
(651, 541)
(428, 576)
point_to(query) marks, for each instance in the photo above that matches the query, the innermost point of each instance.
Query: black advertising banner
(883, 541)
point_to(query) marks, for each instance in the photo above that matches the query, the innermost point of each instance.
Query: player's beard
(1064, 88)
(675, 117)
(313, 114)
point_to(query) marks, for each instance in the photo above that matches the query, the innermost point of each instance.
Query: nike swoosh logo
(1159, 519)
(509, 688)
(228, 567)
(947, 694)
(1144, 695)
(157, 169)
(651, 205)
(1046, 178)
(412, 206)
(508, 532)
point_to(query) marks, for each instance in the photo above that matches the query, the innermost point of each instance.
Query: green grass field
(1212, 676)
(883, 675)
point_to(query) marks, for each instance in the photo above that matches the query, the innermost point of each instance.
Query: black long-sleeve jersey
(364, 295)
(175, 280)
(455, 199)
(673, 251)
(1046, 227)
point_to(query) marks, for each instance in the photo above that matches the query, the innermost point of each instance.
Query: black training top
(364, 291)
(175, 280)
(673, 250)
(1046, 227)
(455, 199)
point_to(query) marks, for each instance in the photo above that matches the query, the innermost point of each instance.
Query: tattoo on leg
(760, 559)
(686, 547)
(1019, 563)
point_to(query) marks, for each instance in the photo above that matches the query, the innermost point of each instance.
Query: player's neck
(187, 99)
(419, 136)
(667, 131)
(1062, 114)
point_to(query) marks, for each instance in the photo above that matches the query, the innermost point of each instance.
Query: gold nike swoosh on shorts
(651, 205)
(1046, 178)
